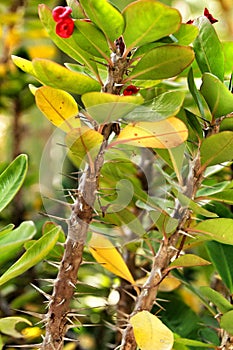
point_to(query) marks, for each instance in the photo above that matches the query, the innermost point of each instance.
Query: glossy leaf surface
(12, 179)
(221, 256)
(216, 298)
(186, 34)
(105, 108)
(167, 133)
(58, 106)
(164, 106)
(108, 256)
(97, 10)
(95, 37)
(11, 242)
(162, 62)
(208, 49)
(150, 332)
(57, 76)
(188, 260)
(147, 21)
(226, 322)
(35, 253)
(219, 229)
(217, 95)
(223, 148)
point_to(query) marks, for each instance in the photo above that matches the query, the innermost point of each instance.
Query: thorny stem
(59, 305)
(167, 250)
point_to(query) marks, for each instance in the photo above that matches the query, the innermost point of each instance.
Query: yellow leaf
(106, 254)
(83, 143)
(58, 106)
(150, 333)
(166, 133)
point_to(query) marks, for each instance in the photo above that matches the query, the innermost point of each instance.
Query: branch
(82, 210)
(168, 250)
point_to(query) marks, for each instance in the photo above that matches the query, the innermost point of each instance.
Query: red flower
(209, 16)
(65, 28)
(190, 21)
(61, 12)
(130, 90)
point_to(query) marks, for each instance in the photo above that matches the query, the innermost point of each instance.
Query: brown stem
(167, 250)
(59, 304)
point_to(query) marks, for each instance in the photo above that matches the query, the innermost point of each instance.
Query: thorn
(54, 264)
(186, 234)
(72, 284)
(31, 346)
(58, 201)
(131, 295)
(31, 313)
(46, 295)
(61, 302)
(53, 216)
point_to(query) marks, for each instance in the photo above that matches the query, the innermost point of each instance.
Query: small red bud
(130, 90)
(190, 21)
(65, 28)
(209, 16)
(61, 12)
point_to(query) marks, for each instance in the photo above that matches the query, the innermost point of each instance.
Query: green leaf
(35, 253)
(13, 241)
(57, 76)
(228, 54)
(221, 256)
(11, 179)
(105, 108)
(224, 197)
(222, 144)
(219, 230)
(193, 343)
(226, 322)
(196, 208)
(54, 75)
(150, 332)
(217, 95)
(188, 260)
(208, 48)
(7, 325)
(6, 229)
(216, 298)
(164, 106)
(105, 16)
(58, 106)
(147, 21)
(95, 37)
(197, 96)
(69, 45)
(186, 34)
(162, 62)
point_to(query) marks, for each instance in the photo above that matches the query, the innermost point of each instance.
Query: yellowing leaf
(106, 254)
(83, 142)
(188, 260)
(150, 333)
(105, 108)
(58, 106)
(166, 133)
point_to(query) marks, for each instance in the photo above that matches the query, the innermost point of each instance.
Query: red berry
(65, 28)
(130, 90)
(209, 16)
(61, 12)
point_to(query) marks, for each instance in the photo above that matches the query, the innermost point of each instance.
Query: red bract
(209, 16)
(61, 12)
(190, 21)
(130, 90)
(65, 28)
